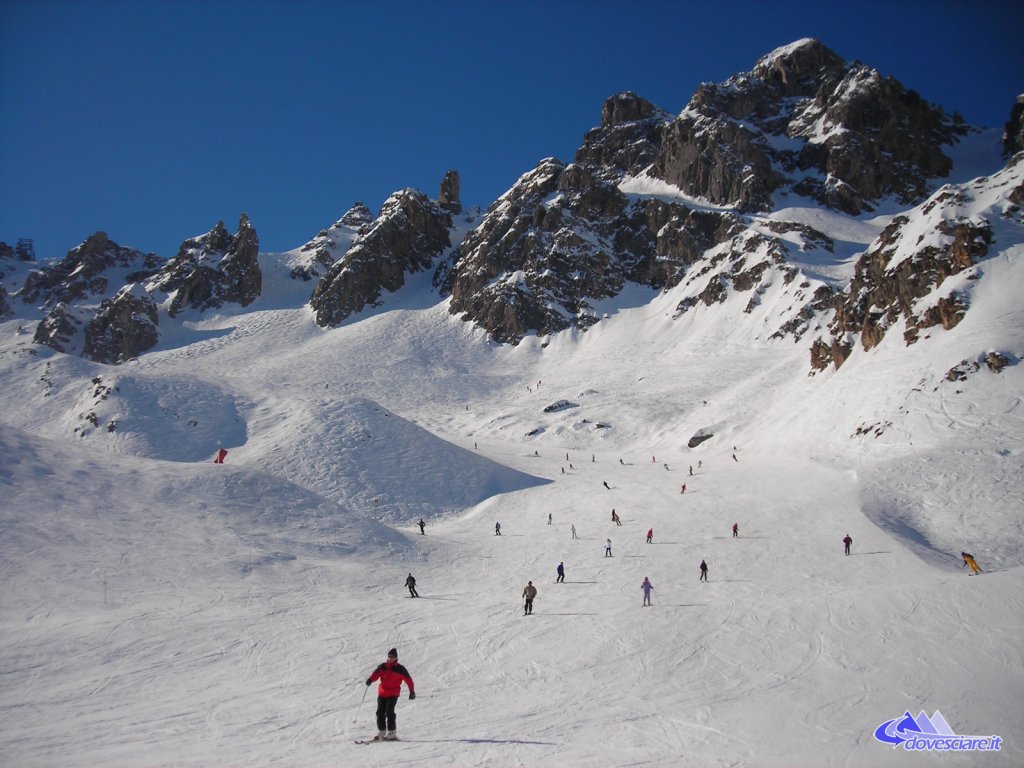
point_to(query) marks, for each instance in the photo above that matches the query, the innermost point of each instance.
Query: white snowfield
(162, 610)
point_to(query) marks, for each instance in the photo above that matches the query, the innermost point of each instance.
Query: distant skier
(221, 455)
(847, 541)
(735, 530)
(647, 587)
(650, 535)
(683, 489)
(529, 593)
(410, 582)
(573, 527)
(391, 675)
(608, 548)
(549, 518)
(605, 482)
(735, 459)
(665, 466)
(969, 561)
(622, 462)
(615, 518)
(691, 470)
(497, 529)
(422, 525)
(703, 571)
(560, 570)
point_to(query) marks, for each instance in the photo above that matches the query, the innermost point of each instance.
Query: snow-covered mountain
(797, 301)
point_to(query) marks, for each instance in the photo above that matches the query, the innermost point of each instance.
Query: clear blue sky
(151, 120)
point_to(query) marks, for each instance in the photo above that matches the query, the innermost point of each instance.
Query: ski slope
(161, 610)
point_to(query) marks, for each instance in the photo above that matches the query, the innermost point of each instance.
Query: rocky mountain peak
(410, 232)
(626, 107)
(448, 198)
(213, 269)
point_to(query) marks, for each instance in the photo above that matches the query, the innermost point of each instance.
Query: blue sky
(152, 120)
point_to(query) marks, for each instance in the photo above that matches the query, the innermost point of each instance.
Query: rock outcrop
(320, 253)
(408, 235)
(212, 270)
(920, 271)
(1013, 131)
(123, 328)
(97, 268)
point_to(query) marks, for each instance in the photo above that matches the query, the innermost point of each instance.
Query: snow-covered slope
(160, 609)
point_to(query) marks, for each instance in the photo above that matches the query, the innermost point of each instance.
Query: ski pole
(356, 718)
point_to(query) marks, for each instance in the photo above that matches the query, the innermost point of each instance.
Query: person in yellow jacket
(969, 561)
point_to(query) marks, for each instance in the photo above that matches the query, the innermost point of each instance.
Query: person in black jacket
(410, 582)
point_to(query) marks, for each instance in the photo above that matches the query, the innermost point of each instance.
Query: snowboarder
(650, 535)
(529, 593)
(410, 582)
(221, 455)
(615, 518)
(847, 540)
(391, 675)
(735, 530)
(703, 571)
(573, 526)
(497, 529)
(969, 560)
(647, 587)
(561, 573)
(422, 526)
(608, 548)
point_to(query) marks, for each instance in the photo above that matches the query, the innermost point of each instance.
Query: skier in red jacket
(391, 675)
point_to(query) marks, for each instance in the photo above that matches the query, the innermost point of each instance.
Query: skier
(847, 541)
(549, 518)
(665, 466)
(969, 560)
(615, 518)
(735, 459)
(647, 587)
(608, 548)
(735, 530)
(573, 530)
(650, 535)
(221, 455)
(683, 489)
(497, 529)
(561, 573)
(606, 485)
(410, 582)
(422, 526)
(703, 571)
(529, 593)
(691, 470)
(391, 675)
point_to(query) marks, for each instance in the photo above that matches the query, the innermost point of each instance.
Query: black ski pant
(528, 607)
(386, 712)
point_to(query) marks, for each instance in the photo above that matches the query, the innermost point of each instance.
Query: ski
(374, 741)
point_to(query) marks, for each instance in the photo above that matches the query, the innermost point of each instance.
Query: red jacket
(391, 675)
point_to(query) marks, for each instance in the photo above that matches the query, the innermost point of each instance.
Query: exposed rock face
(805, 120)
(409, 234)
(5, 305)
(58, 329)
(320, 253)
(1013, 132)
(123, 328)
(448, 198)
(213, 269)
(91, 269)
(906, 274)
